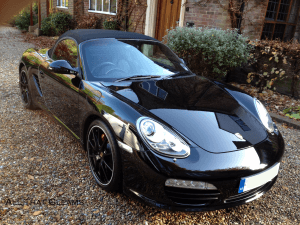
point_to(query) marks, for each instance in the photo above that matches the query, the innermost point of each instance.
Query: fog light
(189, 184)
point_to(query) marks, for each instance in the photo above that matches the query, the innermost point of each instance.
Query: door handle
(42, 74)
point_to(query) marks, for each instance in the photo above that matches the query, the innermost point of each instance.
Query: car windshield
(111, 60)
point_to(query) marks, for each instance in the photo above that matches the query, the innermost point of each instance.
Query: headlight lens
(264, 115)
(162, 139)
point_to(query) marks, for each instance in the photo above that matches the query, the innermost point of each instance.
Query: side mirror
(182, 61)
(63, 67)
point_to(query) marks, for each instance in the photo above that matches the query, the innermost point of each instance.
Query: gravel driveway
(45, 179)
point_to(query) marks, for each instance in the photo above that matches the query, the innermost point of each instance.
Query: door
(168, 13)
(61, 91)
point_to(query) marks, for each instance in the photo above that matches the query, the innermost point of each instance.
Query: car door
(60, 91)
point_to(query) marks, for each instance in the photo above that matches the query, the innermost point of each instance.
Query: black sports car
(149, 125)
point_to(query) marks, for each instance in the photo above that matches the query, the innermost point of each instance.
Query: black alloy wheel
(25, 90)
(103, 155)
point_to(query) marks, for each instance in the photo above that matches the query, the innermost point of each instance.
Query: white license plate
(254, 181)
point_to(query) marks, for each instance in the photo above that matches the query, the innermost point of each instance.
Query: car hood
(198, 109)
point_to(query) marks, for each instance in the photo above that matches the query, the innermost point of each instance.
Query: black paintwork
(204, 112)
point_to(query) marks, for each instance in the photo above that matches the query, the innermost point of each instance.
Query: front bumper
(144, 177)
(184, 200)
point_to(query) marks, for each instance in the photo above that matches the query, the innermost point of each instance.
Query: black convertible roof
(82, 35)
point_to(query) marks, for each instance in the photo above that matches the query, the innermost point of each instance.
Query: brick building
(257, 19)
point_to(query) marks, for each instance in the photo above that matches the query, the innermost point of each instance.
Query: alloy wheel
(24, 87)
(100, 155)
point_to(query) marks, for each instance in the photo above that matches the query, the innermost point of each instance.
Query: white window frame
(102, 12)
(61, 2)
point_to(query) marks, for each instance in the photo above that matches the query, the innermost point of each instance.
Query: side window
(66, 50)
(154, 53)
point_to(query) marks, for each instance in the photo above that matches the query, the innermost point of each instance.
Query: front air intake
(193, 197)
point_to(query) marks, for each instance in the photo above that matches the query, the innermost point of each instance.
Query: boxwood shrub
(209, 52)
(22, 20)
(57, 23)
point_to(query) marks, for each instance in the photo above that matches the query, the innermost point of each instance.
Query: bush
(111, 24)
(209, 52)
(57, 23)
(12, 21)
(89, 22)
(22, 21)
(273, 61)
(292, 112)
(47, 27)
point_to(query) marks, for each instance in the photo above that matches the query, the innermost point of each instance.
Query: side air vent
(191, 196)
(37, 84)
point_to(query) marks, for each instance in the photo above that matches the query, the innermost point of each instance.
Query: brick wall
(210, 14)
(99, 15)
(138, 17)
(78, 8)
(253, 18)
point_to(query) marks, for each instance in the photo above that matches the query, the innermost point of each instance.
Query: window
(281, 19)
(111, 59)
(103, 6)
(62, 3)
(155, 54)
(66, 50)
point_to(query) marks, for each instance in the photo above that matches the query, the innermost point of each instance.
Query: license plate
(254, 181)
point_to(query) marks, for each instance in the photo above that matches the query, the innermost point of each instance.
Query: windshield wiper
(178, 74)
(138, 77)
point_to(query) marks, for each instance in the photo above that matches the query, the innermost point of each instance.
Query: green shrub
(47, 27)
(292, 112)
(57, 23)
(209, 52)
(12, 21)
(110, 24)
(22, 21)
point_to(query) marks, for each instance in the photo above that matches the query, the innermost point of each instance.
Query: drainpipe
(47, 9)
(40, 16)
(239, 17)
(31, 19)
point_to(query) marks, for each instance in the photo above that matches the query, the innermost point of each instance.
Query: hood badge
(239, 136)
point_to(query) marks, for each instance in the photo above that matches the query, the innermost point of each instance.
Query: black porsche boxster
(150, 126)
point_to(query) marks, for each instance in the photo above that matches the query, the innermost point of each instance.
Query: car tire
(103, 156)
(25, 90)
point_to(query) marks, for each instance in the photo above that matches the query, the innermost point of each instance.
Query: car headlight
(264, 115)
(161, 139)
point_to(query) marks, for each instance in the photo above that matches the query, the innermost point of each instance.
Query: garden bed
(40, 42)
(274, 101)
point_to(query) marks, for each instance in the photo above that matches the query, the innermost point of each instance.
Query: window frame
(102, 12)
(276, 21)
(61, 6)
(63, 39)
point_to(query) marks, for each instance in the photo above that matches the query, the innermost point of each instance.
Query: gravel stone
(44, 171)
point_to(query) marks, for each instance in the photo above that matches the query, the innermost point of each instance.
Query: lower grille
(193, 197)
(247, 195)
